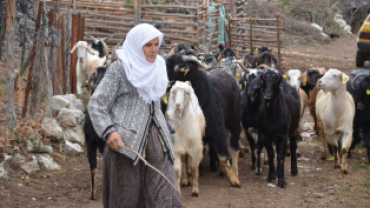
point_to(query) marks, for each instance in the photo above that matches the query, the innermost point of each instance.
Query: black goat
(93, 141)
(182, 49)
(251, 102)
(361, 123)
(100, 46)
(219, 98)
(278, 121)
(310, 80)
(252, 59)
(208, 59)
(267, 58)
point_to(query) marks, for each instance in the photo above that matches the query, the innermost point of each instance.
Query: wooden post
(81, 32)
(250, 34)
(278, 42)
(136, 12)
(62, 50)
(10, 10)
(33, 53)
(200, 19)
(40, 68)
(74, 40)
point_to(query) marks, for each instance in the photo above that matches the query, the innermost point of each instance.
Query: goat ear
(188, 82)
(304, 79)
(195, 103)
(345, 78)
(170, 105)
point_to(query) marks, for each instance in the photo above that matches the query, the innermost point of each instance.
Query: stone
(30, 167)
(7, 160)
(74, 137)
(58, 102)
(46, 161)
(78, 104)
(35, 145)
(66, 117)
(19, 159)
(53, 131)
(3, 172)
(72, 148)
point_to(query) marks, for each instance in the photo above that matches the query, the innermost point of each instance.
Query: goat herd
(213, 98)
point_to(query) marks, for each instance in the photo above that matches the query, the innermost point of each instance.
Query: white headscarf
(150, 79)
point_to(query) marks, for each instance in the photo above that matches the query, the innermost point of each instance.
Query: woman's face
(151, 49)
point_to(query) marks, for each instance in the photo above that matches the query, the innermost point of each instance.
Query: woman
(223, 24)
(125, 111)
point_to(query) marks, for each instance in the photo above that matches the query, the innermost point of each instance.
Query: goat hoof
(92, 196)
(258, 171)
(235, 183)
(337, 166)
(323, 156)
(213, 167)
(253, 166)
(287, 154)
(282, 183)
(298, 154)
(345, 171)
(271, 177)
(294, 171)
(194, 194)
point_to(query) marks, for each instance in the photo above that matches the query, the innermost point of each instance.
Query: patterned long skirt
(127, 186)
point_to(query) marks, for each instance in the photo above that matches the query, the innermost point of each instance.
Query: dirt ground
(318, 184)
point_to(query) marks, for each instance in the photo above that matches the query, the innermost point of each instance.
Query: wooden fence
(248, 33)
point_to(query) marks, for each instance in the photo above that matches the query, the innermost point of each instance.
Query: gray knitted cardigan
(116, 106)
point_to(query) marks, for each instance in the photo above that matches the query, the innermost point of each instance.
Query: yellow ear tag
(277, 64)
(257, 63)
(240, 86)
(87, 81)
(367, 92)
(237, 75)
(285, 77)
(165, 99)
(218, 58)
(345, 79)
(305, 79)
(186, 71)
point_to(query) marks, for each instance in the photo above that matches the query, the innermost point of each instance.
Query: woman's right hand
(114, 141)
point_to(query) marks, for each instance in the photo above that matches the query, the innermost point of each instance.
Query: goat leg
(281, 144)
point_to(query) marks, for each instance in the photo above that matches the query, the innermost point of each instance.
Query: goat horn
(73, 49)
(240, 63)
(194, 59)
(105, 48)
(88, 82)
(357, 76)
(173, 50)
(92, 37)
(107, 38)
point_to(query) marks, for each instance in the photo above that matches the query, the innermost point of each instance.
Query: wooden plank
(108, 16)
(169, 6)
(171, 23)
(104, 22)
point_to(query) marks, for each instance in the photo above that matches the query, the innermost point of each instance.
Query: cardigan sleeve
(101, 102)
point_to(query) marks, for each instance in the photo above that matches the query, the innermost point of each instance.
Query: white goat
(295, 78)
(335, 111)
(85, 56)
(189, 125)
